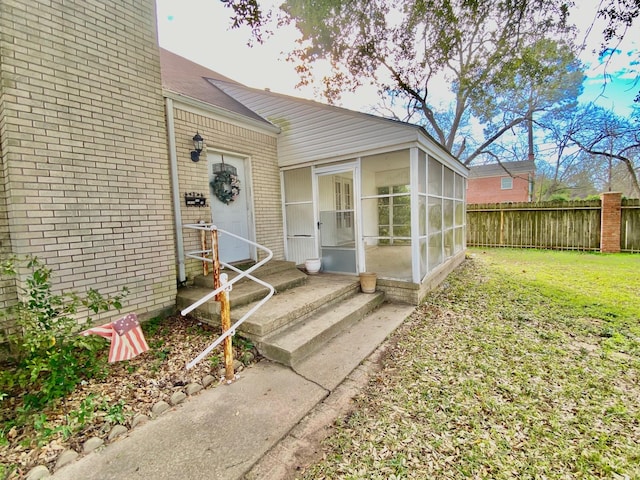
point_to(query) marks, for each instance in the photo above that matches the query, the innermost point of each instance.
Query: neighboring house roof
(314, 131)
(187, 78)
(502, 169)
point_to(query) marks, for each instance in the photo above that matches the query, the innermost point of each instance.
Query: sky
(200, 31)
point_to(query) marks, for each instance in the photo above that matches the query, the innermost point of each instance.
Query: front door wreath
(226, 187)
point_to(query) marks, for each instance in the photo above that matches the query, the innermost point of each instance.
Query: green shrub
(48, 357)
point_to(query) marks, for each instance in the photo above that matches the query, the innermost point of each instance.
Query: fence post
(610, 222)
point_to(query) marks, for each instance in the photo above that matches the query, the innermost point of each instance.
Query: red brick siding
(610, 222)
(487, 190)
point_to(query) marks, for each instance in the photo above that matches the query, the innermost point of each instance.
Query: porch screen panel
(448, 185)
(386, 214)
(422, 212)
(434, 177)
(299, 215)
(460, 216)
(448, 211)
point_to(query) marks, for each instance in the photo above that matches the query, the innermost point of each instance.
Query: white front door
(235, 216)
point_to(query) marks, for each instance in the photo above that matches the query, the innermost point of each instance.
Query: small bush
(48, 357)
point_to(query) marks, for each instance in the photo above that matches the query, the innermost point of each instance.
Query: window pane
(506, 183)
(401, 189)
(371, 209)
(404, 200)
(459, 215)
(297, 185)
(448, 213)
(383, 215)
(435, 177)
(435, 214)
(422, 172)
(448, 243)
(435, 250)
(402, 231)
(448, 183)
(459, 187)
(422, 215)
(300, 220)
(458, 238)
(401, 214)
(423, 257)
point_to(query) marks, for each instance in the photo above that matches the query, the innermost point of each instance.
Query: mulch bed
(129, 388)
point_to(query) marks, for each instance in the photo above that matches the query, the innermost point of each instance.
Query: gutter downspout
(175, 189)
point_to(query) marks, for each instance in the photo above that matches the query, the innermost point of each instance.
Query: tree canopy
(249, 13)
(620, 15)
(480, 48)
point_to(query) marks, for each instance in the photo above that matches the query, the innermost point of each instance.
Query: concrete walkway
(252, 428)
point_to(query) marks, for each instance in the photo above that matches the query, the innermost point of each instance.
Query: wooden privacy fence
(630, 225)
(607, 225)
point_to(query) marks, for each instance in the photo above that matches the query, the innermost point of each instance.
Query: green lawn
(525, 364)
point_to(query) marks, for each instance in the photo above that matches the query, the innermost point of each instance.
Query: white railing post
(220, 293)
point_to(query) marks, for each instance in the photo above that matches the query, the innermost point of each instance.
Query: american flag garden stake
(127, 339)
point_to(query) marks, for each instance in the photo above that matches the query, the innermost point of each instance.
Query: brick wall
(610, 222)
(84, 160)
(488, 190)
(259, 148)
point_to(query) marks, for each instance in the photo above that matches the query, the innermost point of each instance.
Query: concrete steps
(291, 345)
(243, 293)
(329, 366)
(270, 268)
(308, 313)
(294, 305)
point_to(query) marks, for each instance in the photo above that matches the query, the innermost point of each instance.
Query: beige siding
(313, 131)
(84, 159)
(259, 148)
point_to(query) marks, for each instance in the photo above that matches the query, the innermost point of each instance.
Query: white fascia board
(199, 107)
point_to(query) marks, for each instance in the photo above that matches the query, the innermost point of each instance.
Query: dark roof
(502, 169)
(185, 77)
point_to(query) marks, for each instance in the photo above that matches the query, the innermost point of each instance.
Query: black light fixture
(198, 144)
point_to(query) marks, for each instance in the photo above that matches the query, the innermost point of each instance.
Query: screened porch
(399, 214)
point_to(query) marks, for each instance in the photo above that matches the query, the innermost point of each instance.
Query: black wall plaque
(193, 199)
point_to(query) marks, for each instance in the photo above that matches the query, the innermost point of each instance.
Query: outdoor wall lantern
(198, 144)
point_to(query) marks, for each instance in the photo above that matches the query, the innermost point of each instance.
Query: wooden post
(225, 310)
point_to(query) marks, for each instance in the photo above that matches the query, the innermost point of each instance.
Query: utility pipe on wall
(175, 188)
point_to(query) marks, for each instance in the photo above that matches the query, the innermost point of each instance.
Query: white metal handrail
(198, 255)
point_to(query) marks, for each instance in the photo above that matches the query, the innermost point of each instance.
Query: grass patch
(505, 372)
(601, 290)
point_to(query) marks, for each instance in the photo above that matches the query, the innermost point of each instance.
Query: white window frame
(502, 183)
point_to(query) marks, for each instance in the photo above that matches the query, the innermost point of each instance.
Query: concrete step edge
(285, 316)
(293, 345)
(270, 268)
(242, 294)
(338, 357)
